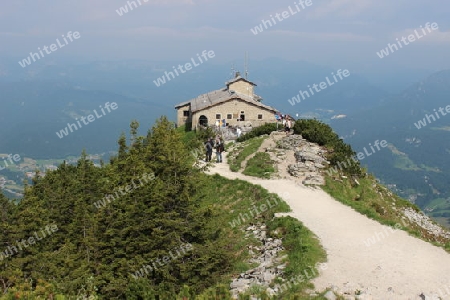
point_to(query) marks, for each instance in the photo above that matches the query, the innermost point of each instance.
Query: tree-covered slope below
(149, 223)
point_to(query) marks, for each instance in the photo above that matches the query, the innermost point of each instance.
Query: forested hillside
(101, 247)
(147, 224)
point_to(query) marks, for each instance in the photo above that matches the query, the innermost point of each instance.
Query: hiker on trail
(288, 126)
(219, 149)
(209, 149)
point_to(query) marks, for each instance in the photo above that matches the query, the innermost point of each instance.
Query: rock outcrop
(310, 159)
(426, 223)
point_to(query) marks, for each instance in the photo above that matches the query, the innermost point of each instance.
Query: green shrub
(343, 153)
(340, 153)
(316, 132)
(204, 133)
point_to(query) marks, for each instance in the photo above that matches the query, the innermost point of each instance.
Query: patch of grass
(186, 135)
(447, 247)
(260, 166)
(368, 198)
(304, 256)
(229, 200)
(241, 151)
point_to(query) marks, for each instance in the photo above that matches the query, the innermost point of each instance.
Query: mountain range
(43, 99)
(416, 125)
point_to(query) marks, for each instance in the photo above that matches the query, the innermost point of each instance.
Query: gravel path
(363, 255)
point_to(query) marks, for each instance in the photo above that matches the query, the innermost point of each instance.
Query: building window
(185, 113)
(229, 116)
(218, 116)
(260, 117)
(242, 112)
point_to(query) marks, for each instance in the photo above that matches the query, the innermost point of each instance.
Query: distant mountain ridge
(47, 96)
(418, 160)
(37, 112)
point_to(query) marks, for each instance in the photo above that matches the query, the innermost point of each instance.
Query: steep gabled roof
(182, 104)
(219, 96)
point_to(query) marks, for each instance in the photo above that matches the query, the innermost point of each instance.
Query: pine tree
(7, 217)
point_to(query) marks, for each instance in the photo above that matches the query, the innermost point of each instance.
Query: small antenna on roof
(232, 71)
(246, 65)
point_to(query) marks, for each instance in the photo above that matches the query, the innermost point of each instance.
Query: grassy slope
(371, 199)
(377, 202)
(260, 166)
(241, 151)
(230, 198)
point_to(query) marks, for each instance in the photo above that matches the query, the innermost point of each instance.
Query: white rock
(330, 295)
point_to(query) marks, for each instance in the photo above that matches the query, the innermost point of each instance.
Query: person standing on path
(209, 149)
(288, 126)
(219, 149)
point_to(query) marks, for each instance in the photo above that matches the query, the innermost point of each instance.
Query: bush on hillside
(341, 156)
(316, 132)
(341, 153)
(258, 131)
(204, 133)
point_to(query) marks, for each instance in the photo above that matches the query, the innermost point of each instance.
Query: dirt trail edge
(362, 254)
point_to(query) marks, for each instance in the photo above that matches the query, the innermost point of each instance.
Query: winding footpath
(362, 254)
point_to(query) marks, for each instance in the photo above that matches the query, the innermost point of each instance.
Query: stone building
(235, 104)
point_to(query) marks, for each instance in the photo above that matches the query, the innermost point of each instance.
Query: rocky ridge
(269, 265)
(422, 220)
(299, 159)
(310, 159)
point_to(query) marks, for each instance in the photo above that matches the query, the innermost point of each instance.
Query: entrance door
(203, 121)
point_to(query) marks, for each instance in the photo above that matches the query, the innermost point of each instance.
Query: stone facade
(236, 112)
(236, 103)
(184, 115)
(242, 87)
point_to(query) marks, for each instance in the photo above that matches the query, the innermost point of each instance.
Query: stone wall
(234, 108)
(181, 119)
(242, 87)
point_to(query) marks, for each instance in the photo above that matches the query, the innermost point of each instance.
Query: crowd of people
(286, 120)
(219, 146)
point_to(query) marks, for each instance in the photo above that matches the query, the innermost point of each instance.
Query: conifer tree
(7, 224)
(153, 212)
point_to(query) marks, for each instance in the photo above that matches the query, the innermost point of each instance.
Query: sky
(335, 33)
